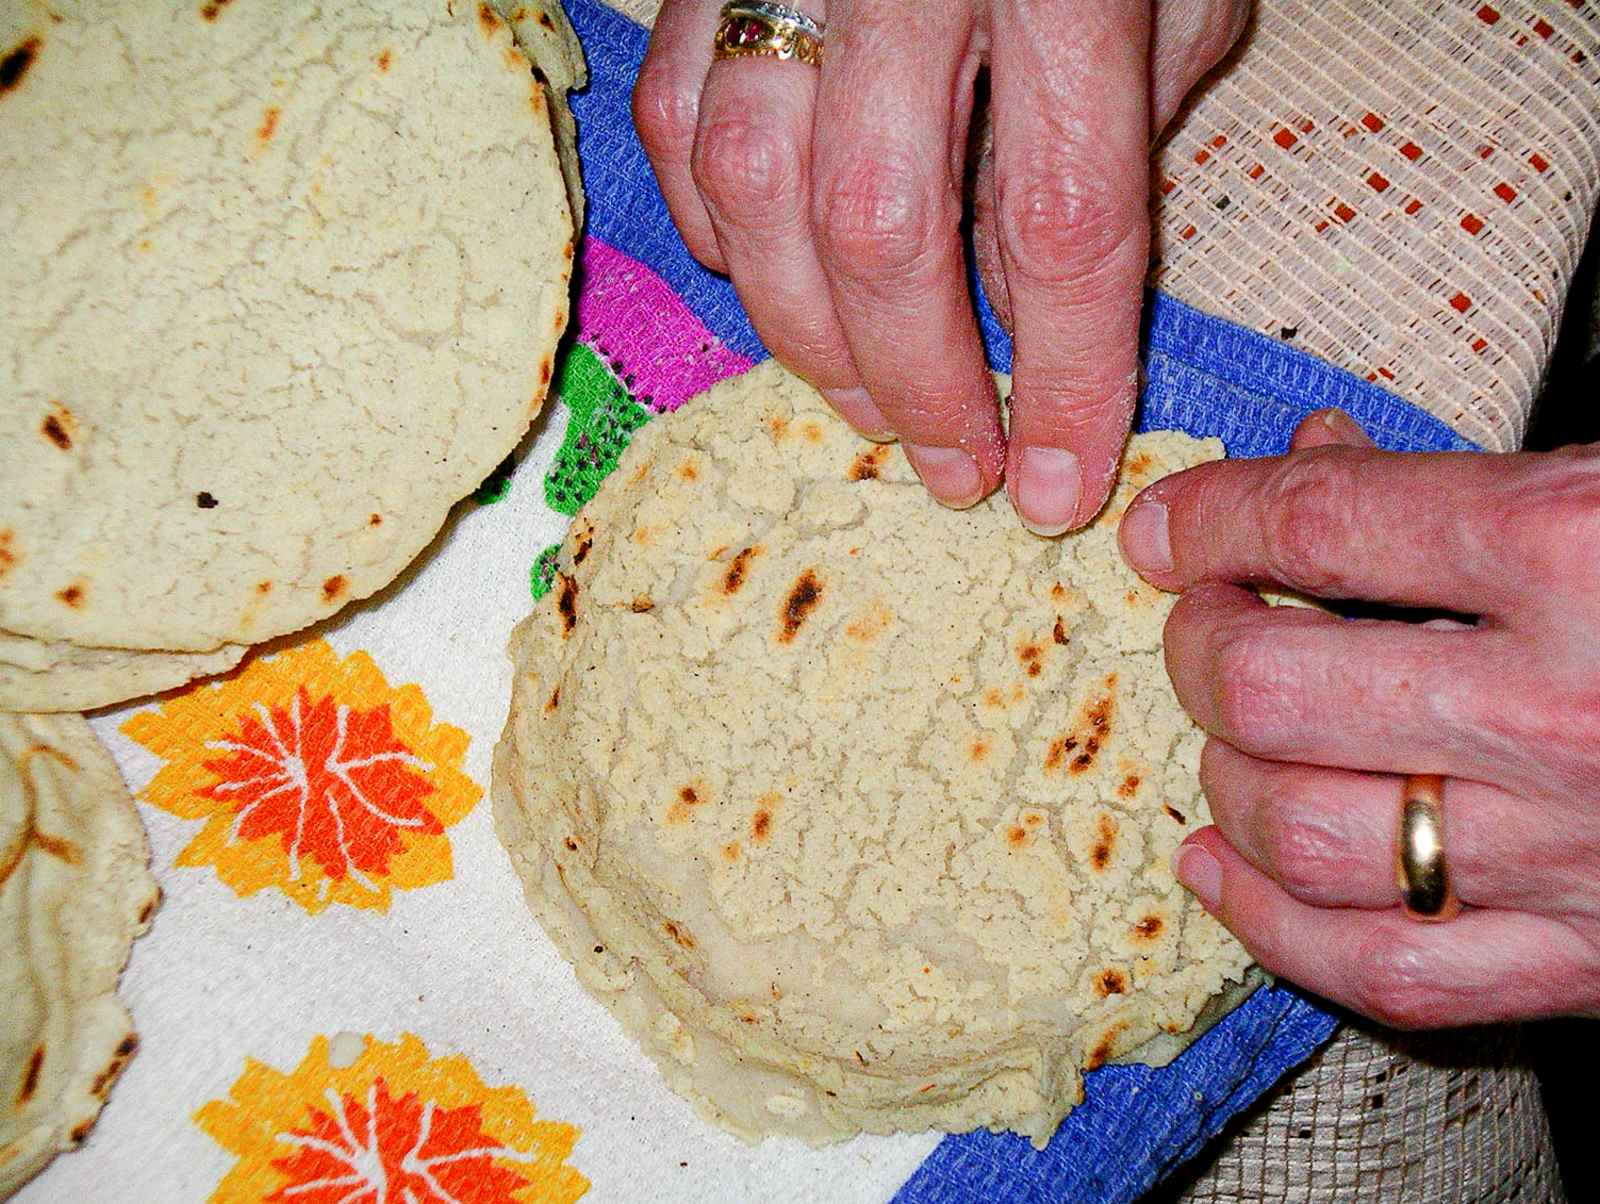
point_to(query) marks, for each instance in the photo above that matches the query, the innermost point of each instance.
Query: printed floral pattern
(313, 775)
(385, 1125)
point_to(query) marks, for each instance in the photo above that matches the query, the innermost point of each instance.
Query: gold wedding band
(1421, 871)
(757, 27)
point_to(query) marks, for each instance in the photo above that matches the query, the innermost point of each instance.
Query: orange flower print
(385, 1124)
(313, 775)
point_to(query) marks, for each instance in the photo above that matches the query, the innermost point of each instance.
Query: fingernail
(857, 408)
(950, 474)
(1345, 428)
(1048, 486)
(1145, 540)
(1200, 872)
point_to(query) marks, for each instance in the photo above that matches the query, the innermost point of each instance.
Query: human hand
(1312, 718)
(833, 199)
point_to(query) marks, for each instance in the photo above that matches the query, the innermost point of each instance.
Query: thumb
(1322, 427)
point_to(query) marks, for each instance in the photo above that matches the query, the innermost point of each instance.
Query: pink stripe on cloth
(637, 323)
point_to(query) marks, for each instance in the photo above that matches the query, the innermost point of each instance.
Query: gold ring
(758, 27)
(1420, 869)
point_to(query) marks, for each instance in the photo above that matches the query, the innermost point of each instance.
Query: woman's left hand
(1313, 719)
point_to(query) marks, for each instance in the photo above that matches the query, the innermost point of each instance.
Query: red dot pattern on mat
(1488, 15)
(1471, 224)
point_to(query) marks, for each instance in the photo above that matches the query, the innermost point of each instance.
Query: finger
(1290, 683)
(1189, 37)
(752, 164)
(886, 206)
(1071, 170)
(1323, 427)
(1349, 522)
(666, 112)
(1328, 836)
(1481, 967)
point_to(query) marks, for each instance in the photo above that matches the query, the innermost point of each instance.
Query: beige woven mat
(1403, 189)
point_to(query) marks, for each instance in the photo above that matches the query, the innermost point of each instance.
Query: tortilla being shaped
(74, 892)
(283, 284)
(856, 810)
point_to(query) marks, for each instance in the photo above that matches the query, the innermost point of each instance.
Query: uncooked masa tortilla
(857, 811)
(283, 283)
(75, 890)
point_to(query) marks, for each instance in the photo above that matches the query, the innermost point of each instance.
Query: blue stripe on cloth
(1204, 376)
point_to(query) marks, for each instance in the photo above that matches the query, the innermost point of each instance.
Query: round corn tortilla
(74, 892)
(268, 316)
(857, 811)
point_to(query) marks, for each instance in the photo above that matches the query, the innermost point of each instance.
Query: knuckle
(1307, 855)
(1555, 529)
(1396, 981)
(1061, 225)
(664, 113)
(742, 165)
(1256, 703)
(876, 216)
(1307, 514)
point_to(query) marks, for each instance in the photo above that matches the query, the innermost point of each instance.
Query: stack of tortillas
(854, 810)
(283, 283)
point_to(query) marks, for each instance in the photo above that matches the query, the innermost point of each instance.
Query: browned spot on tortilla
(145, 246)
(1058, 591)
(63, 850)
(488, 19)
(55, 431)
(119, 1059)
(15, 64)
(536, 95)
(544, 371)
(978, 750)
(554, 701)
(384, 59)
(1132, 597)
(730, 851)
(925, 1088)
(1174, 812)
(1129, 786)
(149, 908)
(760, 825)
(515, 59)
(688, 795)
(811, 432)
(374, 520)
(269, 124)
(734, 577)
(1056, 753)
(544, 19)
(641, 604)
(688, 472)
(263, 587)
(561, 318)
(1031, 657)
(1100, 851)
(1059, 634)
(210, 10)
(1147, 928)
(7, 556)
(802, 600)
(148, 195)
(332, 587)
(580, 553)
(572, 845)
(72, 595)
(1109, 982)
(567, 604)
(1016, 837)
(566, 251)
(778, 427)
(747, 1018)
(1139, 463)
(865, 466)
(870, 623)
(30, 1078)
(80, 1133)
(1103, 1047)
(678, 935)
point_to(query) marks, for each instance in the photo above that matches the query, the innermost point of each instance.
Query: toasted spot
(269, 124)
(567, 604)
(544, 371)
(212, 8)
(554, 701)
(15, 64)
(1174, 813)
(7, 557)
(1147, 928)
(333, 587)
(778, 427)
(1104, 1047)
(80, 1132)
(571, 844)
(374, 520)
(1059, 634)
(488, 19)
(688, 472)
(1140, 463)
(1031, 657)
(734, 577)
(544, 19)
(811, 433)
(865, 466)
(62, 850)
(1132, 597)
(566, 251)
(580, 553)
(263, 587)
(978, 751)
(57, 433)
(146, 246)
(1016, 837)
(678, 934)
(206, 500)
(1129, 786)
(802, 600)
(730, 851)
(689, 795)
(1058, 591)
(870, 623)
(1100, 851)
(30, 1077)
(641, 604)
(72, 595)
(1057, 752)
(384, 59)
(149, 908)
(761, 825)
(1109, 982)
